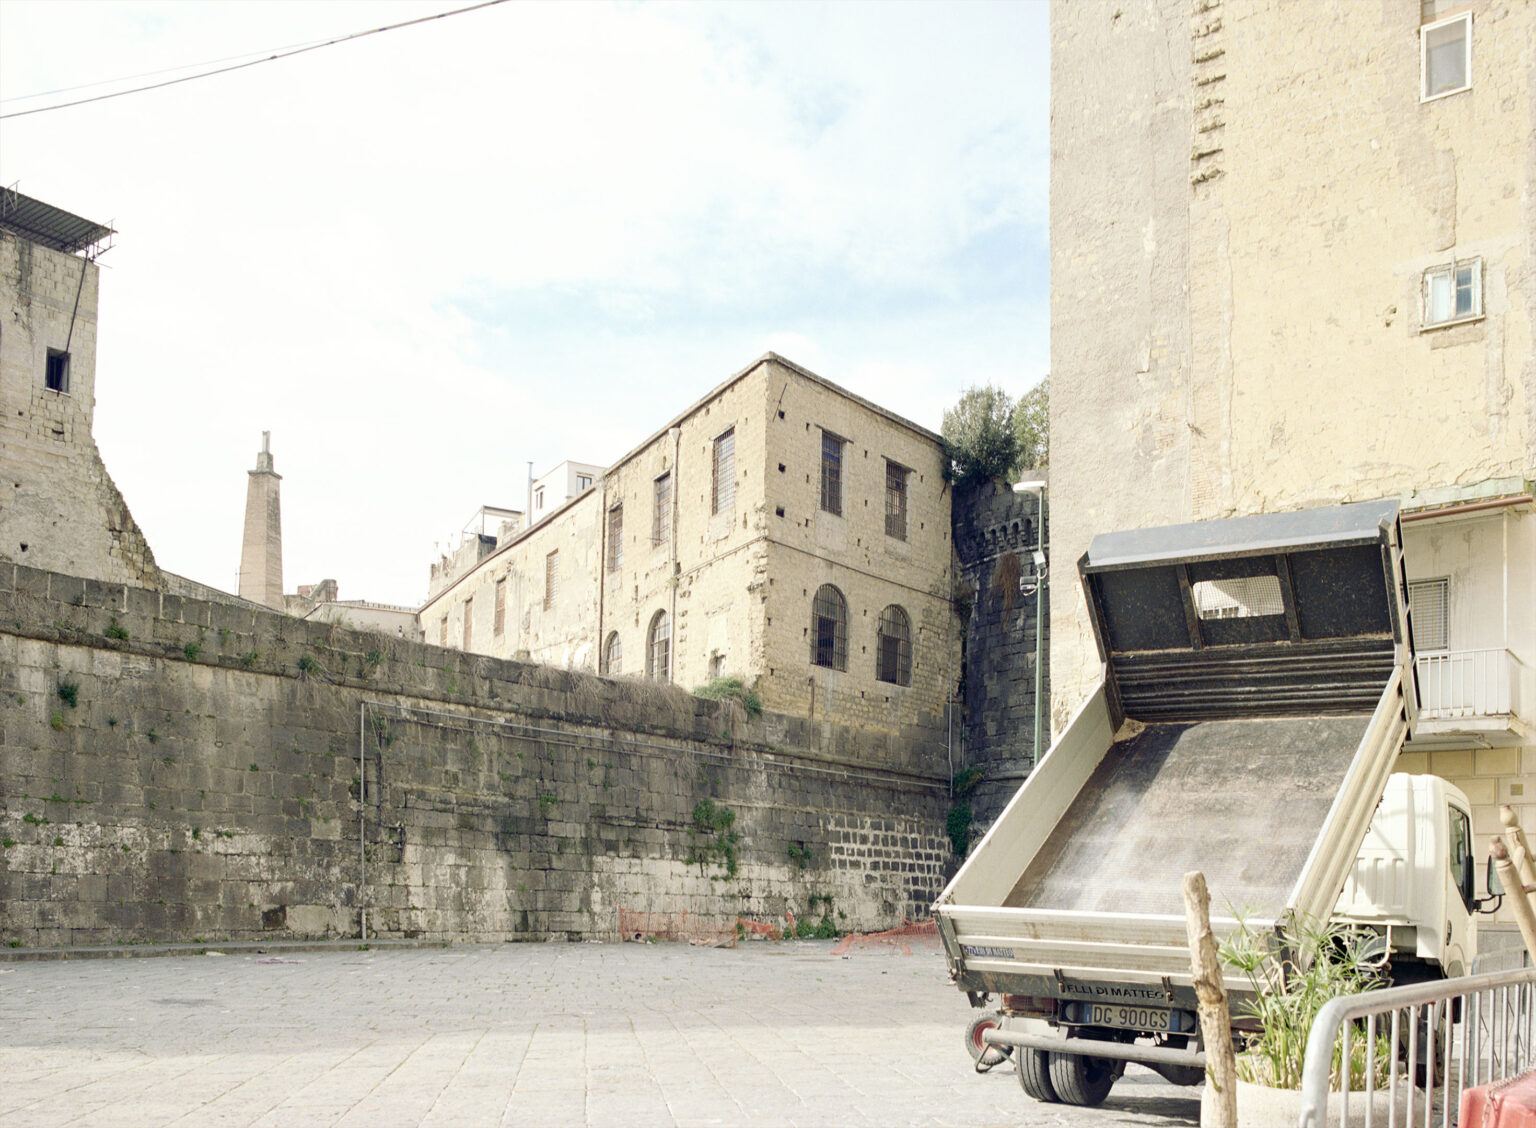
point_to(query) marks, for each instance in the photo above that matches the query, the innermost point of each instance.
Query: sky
(531, 232)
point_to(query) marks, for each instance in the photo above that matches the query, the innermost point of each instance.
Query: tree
(979, 437)
(1032, 425)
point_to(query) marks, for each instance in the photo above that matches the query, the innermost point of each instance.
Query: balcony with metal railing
(1481, 695)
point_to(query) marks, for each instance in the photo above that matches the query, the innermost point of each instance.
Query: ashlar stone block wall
(172, 769)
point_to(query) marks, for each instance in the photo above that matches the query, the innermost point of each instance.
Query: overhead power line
(254, 62)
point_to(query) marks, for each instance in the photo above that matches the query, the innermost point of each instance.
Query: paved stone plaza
(780, 1034)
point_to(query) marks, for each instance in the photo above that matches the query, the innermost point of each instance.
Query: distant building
(261, 549)
(59, 509)
(321, 603)
(780, 529)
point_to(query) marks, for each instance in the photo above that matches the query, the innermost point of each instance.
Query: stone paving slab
(780, 1034)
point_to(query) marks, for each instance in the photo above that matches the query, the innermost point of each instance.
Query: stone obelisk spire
(261, 554)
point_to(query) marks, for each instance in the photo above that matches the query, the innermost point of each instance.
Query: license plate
(1123, 1017)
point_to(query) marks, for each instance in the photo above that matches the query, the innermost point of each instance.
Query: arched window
(829, 629)
(893, 646)
(613, 656)
(658, 648)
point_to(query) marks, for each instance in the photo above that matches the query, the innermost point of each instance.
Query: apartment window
(1429, 602)
(56, 378)
(499, 617)
(551, 578)
(1453, 293)
(716, 666)
(615, 538)
(538, 498)
(661, 518)
(896, 500)
(469, 622)
(829, 629)
(832, 473)
(613, 655)
(1445, 57)
(583, 482)
(723, 484)
(658, 648)
(893, 647)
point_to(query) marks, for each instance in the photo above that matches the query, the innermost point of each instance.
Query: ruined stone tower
(261, 554)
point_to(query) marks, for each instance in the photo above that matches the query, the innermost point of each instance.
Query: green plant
(224, 633)
(800, 854)
(712, 837)
(111, 722)
(197, 832)
(980, 443)
(117, 630)
(7, 842)
(153, 736)
(1032, 426)
(731, 688)
(58, 840)
(69, 693)
(35, 820)
(373, 659)
(307, 666)
(1293, 973)
(248, 659)
(255, 768)
(191, 650)
(547, 801)
(957, 822)
(56, 722)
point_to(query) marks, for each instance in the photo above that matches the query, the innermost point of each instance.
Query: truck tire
(1080, 1080)
(1035, 1075)
(983, 1055)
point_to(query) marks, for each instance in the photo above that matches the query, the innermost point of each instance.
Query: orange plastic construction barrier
(1504, 1104)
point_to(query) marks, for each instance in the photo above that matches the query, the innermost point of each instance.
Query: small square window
(1445, 57)
(583, 482)
(57, 377)
(1453, 293)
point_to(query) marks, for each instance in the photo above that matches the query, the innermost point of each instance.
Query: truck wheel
(1080, 1080)
(982, 1054)
(1035, 1075)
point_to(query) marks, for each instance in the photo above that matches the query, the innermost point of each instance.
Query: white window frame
(1452, 269)
(1424, 30)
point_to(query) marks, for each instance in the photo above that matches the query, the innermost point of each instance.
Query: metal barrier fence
(1430, 1040)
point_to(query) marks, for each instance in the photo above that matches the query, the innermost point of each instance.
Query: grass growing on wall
(731, 688)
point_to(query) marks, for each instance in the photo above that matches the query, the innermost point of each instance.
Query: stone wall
(172, 769)
(996, 530)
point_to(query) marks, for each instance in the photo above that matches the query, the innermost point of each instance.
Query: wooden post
(1519, 849)
(1218, 1103)
(1519, 899)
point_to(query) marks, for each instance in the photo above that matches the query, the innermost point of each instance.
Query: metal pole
(362, 810)
(1039, 613)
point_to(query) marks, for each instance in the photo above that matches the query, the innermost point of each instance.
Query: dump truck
(1257, 687)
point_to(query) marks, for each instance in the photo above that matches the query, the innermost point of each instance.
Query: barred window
(896, 500)
(829, 629)
(551, 578)
(613, 656)
(831, 473)
(469, 605)
(661, 519)
(723, 485)
(615, 538)
(499, 618)
(893, 647)
(658, 648)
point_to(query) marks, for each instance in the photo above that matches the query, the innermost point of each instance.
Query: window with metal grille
(551, 578)
(1429, 604)
(831, 473)
(893, 647)
(658, 648)
(1243, 597)
(829, 629)
(499, 616)
(723, 485)
(661, 518)
(615, 538)
(1445, 57)
(56, 376)
(896, 500)
(1453, 293)
(469, 622)
(613, 656)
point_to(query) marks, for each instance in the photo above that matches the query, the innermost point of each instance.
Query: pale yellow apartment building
(781, 529)
(1292, 265)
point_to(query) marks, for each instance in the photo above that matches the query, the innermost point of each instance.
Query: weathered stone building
(781, 529)
(1292, 264)
(58, 506)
